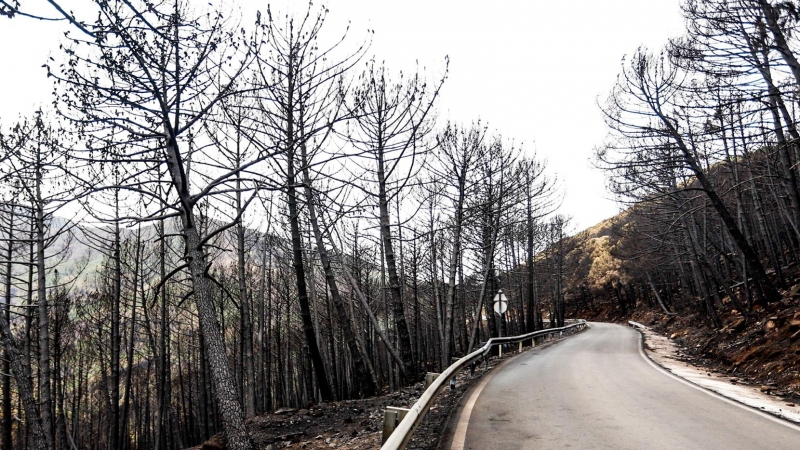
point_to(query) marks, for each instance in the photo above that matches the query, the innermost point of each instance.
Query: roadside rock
(738, 325)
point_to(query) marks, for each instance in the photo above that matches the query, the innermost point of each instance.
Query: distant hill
(76, 255)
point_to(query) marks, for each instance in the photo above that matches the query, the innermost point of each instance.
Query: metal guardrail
(411, 418)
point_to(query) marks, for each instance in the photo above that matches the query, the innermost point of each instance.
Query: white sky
(531, 69)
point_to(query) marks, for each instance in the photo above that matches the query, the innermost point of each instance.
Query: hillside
(609, 278)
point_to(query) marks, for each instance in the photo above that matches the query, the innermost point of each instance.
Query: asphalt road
(596, 391)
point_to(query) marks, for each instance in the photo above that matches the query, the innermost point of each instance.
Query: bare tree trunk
(224, 387)
(302, 291)
(365, 304)
(764, 287)
(28, 344)
(486, 274)
(45, 387)
(398, 309)
(532, 311)
(160, 350)
(260, 341)
(22, 375)
(248, 382)
(453, 267)
(559, 306)
(658, 297)
(776, 106)
(132, 341)
(365, 374)
(114, 435)
(780, 43)
(7, 422)
(435, 286)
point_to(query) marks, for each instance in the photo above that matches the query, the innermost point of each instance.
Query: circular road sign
(500, 303)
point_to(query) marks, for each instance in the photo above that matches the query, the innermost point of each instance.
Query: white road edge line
(460, 435)
(709, 392)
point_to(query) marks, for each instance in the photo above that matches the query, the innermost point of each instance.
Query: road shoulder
(459, 415)
(663, 352)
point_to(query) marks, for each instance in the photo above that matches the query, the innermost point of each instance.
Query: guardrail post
(500, 350)
(520, 346)
(429, 377)
(392, 416)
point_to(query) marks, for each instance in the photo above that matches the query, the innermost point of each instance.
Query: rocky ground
(354, 424)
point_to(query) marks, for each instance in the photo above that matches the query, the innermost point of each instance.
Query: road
(595, 390)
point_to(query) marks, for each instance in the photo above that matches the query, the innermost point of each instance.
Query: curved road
(596, 391)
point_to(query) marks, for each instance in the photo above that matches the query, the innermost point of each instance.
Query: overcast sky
(532, 70)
